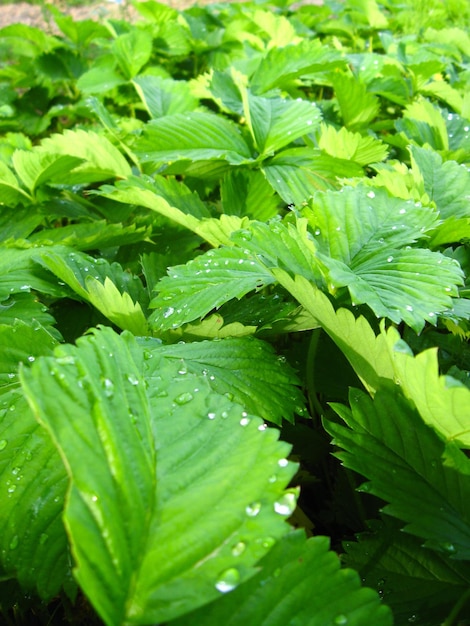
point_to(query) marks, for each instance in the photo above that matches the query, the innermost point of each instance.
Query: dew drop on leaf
(184, 398)
(286, 504)
(133, 379)
(340, 620)
(3, 444)
(211, 416)
(14, 543)
(244, 421)
(108, 387)
(168, 311)
(239, 548)
(253, 509)
(371, 194)
(228, 580)
(283, 462)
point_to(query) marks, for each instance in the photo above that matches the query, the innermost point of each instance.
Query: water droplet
(133, 379)
(448, 547)
(412, 618)
(16, 470)
(309, 122)
(389, 259)
(283, 462)
(31, 359)
(11, 489)
(211, 416)
(228, 580)
(253, 509)
(239, 548)
(168, 311)
(371, 194)
(108, 387)
(317, 232)
(340, 620)
(262, 427)
(272, 479)
(409, 307)
(3, 444)
(244, 421)
(43, 538)
(402, 211)
(14, 543)
(286, 503)
(184, 398)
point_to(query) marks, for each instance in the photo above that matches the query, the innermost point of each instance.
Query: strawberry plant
(234, 316)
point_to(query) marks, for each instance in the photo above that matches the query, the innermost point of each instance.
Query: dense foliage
(233, 250)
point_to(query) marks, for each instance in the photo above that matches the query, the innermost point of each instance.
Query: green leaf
(113, 291)
(196, 136)
(98, 234)
(33, 542)
(358, 107)
(247, 192)
(21, 342)
(447, 184)
(276, 122)
(18, 222)
(364, 230)
(26, 306)
(101, 159)
(345, 144)
(424, 479)
(248, 370)
(281, 65)
(132, 51)
(161, 518)
(415, 582)
(164, 96)
(281, 593)
(191, 291)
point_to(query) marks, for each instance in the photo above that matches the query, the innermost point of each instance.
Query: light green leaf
(196, 136)
(279, 30)
(99, 80)
(425, 113)
(282, 592)
(453, 230)
(447, 184)
(164, 96)
(345, 144)
(191, 291)
(132, 51)
(440, 401)
(33, 542)
(101, 159)
(118, 307)
(276, 122)
(281, 65)
(358, 107)
(11, 192)
(35, 167)
(248, 370)
(424, 479)
(367, 353)
(161, 518)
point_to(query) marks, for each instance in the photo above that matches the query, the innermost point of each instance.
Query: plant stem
(450, 620)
